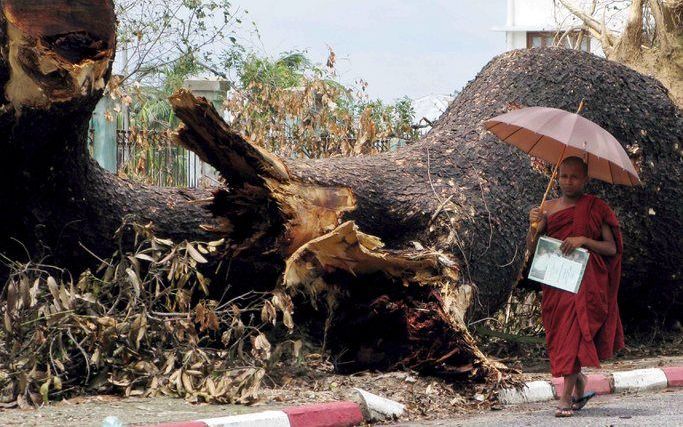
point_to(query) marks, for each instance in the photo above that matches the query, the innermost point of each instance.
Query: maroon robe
(584, 328)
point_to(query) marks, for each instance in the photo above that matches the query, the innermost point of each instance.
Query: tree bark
(407, 241)
(462, 192)
(55, 60)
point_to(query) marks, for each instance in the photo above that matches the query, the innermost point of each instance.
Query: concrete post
(213, 91)
(105, 134)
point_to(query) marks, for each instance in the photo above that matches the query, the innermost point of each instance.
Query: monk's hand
(536, 216)
(571, 243)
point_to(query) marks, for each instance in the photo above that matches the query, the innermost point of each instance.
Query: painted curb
(257, 419)
(534, 391)
(598, 383)
(333, 414)
(625, 381)
(674, 376)
(379, 408)
(639, 380)
(181, 424)
(325, 414)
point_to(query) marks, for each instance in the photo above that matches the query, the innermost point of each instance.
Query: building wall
(532, 13)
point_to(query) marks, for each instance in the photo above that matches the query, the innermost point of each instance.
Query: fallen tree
(395, 250)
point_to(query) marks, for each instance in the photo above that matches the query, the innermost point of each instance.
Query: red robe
(584, 328)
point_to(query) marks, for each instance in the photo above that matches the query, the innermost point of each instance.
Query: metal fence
(150, 156)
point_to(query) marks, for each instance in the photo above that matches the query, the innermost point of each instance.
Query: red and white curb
(334, 414)
(617, 382)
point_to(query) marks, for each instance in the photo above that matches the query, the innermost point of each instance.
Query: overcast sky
(399, 47)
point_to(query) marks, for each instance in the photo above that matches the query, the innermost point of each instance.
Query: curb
(616, 382)
(333, 414)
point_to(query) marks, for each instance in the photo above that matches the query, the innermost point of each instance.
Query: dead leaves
(316, 116)
(143, 324)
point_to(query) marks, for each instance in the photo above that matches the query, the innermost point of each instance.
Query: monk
(583, 328)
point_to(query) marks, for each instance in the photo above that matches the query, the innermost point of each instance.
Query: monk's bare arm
(606, 246)
(535, 216)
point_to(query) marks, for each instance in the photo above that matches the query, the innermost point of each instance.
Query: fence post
(214, 91)
(105, 134)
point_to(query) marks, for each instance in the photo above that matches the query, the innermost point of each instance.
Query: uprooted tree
(396, 250)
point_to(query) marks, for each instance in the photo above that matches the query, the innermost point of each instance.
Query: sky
(400, 48)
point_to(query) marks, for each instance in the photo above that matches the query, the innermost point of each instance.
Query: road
(664, 408)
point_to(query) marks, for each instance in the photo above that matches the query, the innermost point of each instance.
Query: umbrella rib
(535, 143)
(491, 128)
(520, 128)
(588, 159)
(610, 171)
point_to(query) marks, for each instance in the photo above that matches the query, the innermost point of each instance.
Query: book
(552, 268)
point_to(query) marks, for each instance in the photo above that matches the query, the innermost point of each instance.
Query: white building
(539, 23)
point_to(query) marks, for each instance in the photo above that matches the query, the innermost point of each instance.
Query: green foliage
(285, 72)
(298, 109)
(150, 108)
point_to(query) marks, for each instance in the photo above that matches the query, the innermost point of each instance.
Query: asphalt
(663, 408)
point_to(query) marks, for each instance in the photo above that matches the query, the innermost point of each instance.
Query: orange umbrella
(552, 135)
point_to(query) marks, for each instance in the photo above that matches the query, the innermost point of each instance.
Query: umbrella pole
(554, 174)
(550, 185)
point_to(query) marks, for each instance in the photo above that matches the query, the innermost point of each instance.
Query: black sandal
(578, 404)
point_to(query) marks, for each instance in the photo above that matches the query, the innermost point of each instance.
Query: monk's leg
(569, 385)
(580, 387)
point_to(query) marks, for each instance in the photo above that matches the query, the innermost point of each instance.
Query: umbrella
(552, 135)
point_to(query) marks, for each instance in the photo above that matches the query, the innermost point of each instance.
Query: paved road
(663, 408)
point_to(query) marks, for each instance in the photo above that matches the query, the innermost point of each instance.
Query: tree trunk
(462, 192)
(55, 60)
(450, 210)
(659, 54)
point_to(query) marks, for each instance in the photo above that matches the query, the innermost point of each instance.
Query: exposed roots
(384, 309)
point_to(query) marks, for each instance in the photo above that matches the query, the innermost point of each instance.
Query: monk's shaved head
(576, 161)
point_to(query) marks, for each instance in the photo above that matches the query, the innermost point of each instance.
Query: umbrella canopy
(552, 134)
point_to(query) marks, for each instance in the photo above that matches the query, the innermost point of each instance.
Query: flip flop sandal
(578, 404)
(563, 412)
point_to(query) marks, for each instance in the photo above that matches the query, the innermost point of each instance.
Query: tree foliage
(298, 109)
(287, 104)
(155, 35)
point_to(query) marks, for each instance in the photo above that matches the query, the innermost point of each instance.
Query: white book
(552, 268)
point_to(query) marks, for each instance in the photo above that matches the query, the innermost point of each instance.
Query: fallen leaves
(143, 324)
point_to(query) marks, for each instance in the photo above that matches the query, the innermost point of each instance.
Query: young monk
(583, 328)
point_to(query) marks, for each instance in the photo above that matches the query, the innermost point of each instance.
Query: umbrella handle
(534, 225)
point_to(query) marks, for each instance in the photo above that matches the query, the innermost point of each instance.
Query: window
(552, 38)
